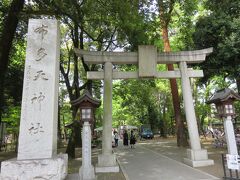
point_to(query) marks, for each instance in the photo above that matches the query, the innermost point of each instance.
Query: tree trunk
(181, 139)
(74, 93)
(238, 84)
(78, 137)
(71, 146)
(9, 28)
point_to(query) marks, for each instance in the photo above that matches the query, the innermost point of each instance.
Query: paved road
(144, 164)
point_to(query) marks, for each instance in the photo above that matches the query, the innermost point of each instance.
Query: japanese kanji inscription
(38, 126)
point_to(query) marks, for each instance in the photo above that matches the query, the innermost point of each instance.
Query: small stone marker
(230, 137)
(232, 161)
(86, 172)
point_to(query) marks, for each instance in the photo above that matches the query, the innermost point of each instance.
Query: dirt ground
(214, 153)
(165, 146)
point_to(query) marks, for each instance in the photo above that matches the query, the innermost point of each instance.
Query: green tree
(219, 28)
(12, 119)
(165, 15)
(8, 27)
(138, 102)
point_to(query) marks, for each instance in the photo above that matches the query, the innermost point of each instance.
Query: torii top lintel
(99, 57)
(147, 59)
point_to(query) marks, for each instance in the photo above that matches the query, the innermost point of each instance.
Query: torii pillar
(196, 156)
(107, 160)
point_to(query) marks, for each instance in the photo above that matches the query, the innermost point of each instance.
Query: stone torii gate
(147, 59)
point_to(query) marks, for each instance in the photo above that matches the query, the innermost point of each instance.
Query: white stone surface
(230, 136)
(86, 172)
(96, 57)
(96, 75)
(147, 61)
(197, 158)
(38, 126)
(50, 169)
(101, 169)
(37, 148)
(107, 109)
(189, 108)
(107, 158)
(196, 155)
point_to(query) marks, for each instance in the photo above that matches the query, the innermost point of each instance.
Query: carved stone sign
(37, 158)
(38, 127)
(147, 61)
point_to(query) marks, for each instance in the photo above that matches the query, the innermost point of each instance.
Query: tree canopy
(220, 30)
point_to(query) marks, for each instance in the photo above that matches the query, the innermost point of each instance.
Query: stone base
(197, 158)
(87, 173)
(51, 169)
(106, 169)
(107, 163)
(198, 163)
(107, 160)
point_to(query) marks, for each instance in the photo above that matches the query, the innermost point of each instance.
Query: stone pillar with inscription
(230, 136)
(86, 171)
(37, 151)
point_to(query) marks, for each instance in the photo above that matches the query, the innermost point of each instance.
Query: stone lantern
(223, 100)
(86, 103)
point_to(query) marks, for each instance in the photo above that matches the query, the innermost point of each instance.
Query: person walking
(125, 138)
(132, 139)
(116, 137)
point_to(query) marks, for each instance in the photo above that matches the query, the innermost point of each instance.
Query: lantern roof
(223, 95)
(86, 97)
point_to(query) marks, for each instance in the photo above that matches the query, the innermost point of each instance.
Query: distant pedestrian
(125, 138)
(132, 139)
(116, 137)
